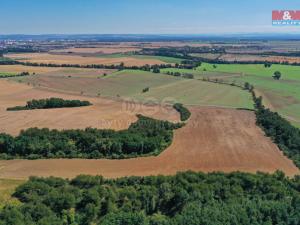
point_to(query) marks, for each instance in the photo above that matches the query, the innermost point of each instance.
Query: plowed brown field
(213, 140)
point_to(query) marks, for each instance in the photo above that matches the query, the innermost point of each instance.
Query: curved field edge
(145, 137)
(205, 144)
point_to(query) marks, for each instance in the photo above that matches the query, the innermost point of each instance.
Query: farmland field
(135, 112)
(248, 57)
(130, 83)
(206, 144)
(208, 138)
(208, 134)
(193, 92)
(104, 49)
(104, 113)
(7, 187)
(77, 59)
(199, 74)
(282, 96)
(14, 69)
(164, 59)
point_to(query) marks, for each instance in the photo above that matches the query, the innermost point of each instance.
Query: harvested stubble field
(103, 113)
(31, 69)
(79, 73)
(245, 57)
(106, 49)
(54, 71)
(75, 59)
(213, 140)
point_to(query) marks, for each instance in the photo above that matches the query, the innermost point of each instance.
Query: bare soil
(213, 140)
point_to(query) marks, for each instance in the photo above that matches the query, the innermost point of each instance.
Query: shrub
(184, 112)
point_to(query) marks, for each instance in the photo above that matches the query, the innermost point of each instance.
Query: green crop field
(282, 95)
(7, 187)
(199, 74)
(288, 72)
(196, 92)
(7, 73)
(186, 91)
(132, 82)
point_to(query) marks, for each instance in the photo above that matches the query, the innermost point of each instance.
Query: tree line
(281, 131)
(285, 135)
(185, 198)
(185, 54)
(50, 103)
(22, 74)
(120, 66)
(147, 136)
(183, 111)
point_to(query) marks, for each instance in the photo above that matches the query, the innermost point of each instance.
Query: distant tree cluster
(121, 66)
(268, 65)
(178, 74)
(50, 103)
(277, 75)
(146, 89)
(146, 136)
(183, 111)
(184, 199)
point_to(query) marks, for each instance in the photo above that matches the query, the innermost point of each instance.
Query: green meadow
(130, 83)
(281, 95)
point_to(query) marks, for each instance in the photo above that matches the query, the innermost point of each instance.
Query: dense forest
(50, 103)
(145, 137)
(184, 199)
(183, 111)
(285, 135)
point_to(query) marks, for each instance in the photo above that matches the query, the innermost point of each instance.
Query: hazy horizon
(170, 17)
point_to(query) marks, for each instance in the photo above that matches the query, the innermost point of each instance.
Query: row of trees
(285, 135)
(145, 137)
(185, 53)
(50, 103)
(281, 131)
(120, 66)
(183, 111)
(186, 198)
(22, 74)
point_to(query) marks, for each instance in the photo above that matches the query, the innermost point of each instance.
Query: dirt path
(213, 140)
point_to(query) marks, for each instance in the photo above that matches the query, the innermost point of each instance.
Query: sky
(142, 16)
